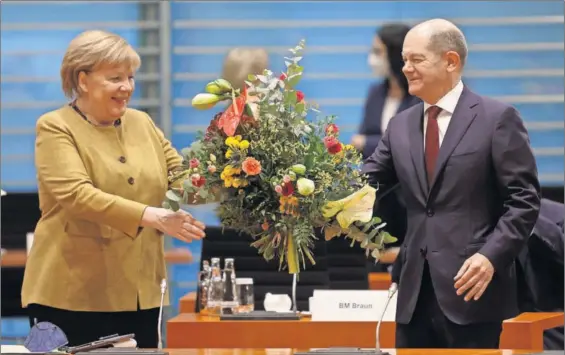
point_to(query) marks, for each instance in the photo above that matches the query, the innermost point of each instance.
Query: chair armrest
(526, 330)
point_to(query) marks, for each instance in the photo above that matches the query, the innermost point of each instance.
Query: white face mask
(378, 65)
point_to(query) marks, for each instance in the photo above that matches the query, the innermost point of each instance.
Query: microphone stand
(358, 351)
(160, 321)
(391, 291)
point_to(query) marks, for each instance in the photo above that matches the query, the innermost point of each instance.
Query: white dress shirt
(447, 104)
(389, 110)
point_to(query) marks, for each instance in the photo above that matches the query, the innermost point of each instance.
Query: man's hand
(474, 277)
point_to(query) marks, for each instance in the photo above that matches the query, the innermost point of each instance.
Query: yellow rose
(237, 182)
(232, 142)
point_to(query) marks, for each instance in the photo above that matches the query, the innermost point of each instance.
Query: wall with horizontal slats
(516, 55)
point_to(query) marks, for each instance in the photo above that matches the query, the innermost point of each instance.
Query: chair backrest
(266, 275)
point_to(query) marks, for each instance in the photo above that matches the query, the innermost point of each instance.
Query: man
(540, 270)
(469, 180)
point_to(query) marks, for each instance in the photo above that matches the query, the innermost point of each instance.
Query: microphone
(160, 321)
(391, 292)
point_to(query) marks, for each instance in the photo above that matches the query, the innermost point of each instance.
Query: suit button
(131, 180)
(430, 212)
(122, 159)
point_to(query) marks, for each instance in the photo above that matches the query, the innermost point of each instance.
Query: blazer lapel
(416, 137)
(465, 113)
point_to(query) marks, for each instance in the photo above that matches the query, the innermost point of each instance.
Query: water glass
(245, 293)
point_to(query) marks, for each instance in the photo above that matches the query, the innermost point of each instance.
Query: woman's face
(378, 58)
(108, 90)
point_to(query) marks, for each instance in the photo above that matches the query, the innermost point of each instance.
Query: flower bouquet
(276, 173)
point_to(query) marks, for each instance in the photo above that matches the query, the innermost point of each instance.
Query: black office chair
(266, 275)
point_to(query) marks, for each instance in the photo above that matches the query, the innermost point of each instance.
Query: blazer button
(122, 159)
(131, 180)
(430, 212)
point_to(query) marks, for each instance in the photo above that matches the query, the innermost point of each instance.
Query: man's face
(425, 70)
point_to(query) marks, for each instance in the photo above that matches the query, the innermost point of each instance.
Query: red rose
(299, 96)
(194, 163)
(197, 180)
(332, 129)
(282, 77)
(332, 144)
(287, 189)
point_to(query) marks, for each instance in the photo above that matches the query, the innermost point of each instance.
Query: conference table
(289, 351)
(192, 330)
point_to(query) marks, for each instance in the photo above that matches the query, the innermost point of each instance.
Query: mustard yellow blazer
(89, 251)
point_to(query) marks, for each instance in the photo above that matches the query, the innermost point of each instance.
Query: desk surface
(392, 352)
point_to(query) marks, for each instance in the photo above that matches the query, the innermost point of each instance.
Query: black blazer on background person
(484, 199)
(371, 126)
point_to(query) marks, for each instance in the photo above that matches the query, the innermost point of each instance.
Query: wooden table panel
(391, 351)
(523, 332)
(379, 280)
(210, 332)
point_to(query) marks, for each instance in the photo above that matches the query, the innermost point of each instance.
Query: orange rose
(251, 166)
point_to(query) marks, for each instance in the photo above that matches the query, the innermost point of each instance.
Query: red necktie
(432, 142)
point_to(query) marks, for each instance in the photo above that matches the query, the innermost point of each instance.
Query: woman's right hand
(179, 224)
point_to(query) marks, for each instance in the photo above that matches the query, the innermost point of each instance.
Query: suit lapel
(463, 115)
(416, 136)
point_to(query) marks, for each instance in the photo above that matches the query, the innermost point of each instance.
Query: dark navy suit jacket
(371, 125)
(485, 197)
(540, 269)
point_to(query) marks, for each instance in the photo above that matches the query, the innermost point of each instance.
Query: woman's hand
(180, 224)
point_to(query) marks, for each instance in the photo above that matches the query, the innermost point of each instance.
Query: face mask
(378, 65)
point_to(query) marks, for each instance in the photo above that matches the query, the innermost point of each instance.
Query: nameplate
(351, 305)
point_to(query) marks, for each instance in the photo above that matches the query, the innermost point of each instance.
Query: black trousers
(85, 327)
(430, 328)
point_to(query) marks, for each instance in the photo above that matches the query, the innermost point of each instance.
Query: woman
(240, 62)
(391, 96)
(98, 253)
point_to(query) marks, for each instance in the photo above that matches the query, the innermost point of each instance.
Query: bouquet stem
(294, 282)
(291, 255)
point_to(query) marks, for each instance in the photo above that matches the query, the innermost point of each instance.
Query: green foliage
(273, 132)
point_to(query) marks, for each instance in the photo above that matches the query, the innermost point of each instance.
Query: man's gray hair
(443, 40)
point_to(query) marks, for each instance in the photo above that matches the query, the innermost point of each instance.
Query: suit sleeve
(397, 266)
(379, 167)
(516, 174)
(371, 142)
(61, 169)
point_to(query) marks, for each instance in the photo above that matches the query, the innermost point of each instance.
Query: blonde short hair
(240, 62)
(90, 50)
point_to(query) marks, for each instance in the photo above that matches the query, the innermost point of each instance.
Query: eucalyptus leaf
(175, 206)
(172, 196)
(263, 79)
(293, 80)
(203, 193)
